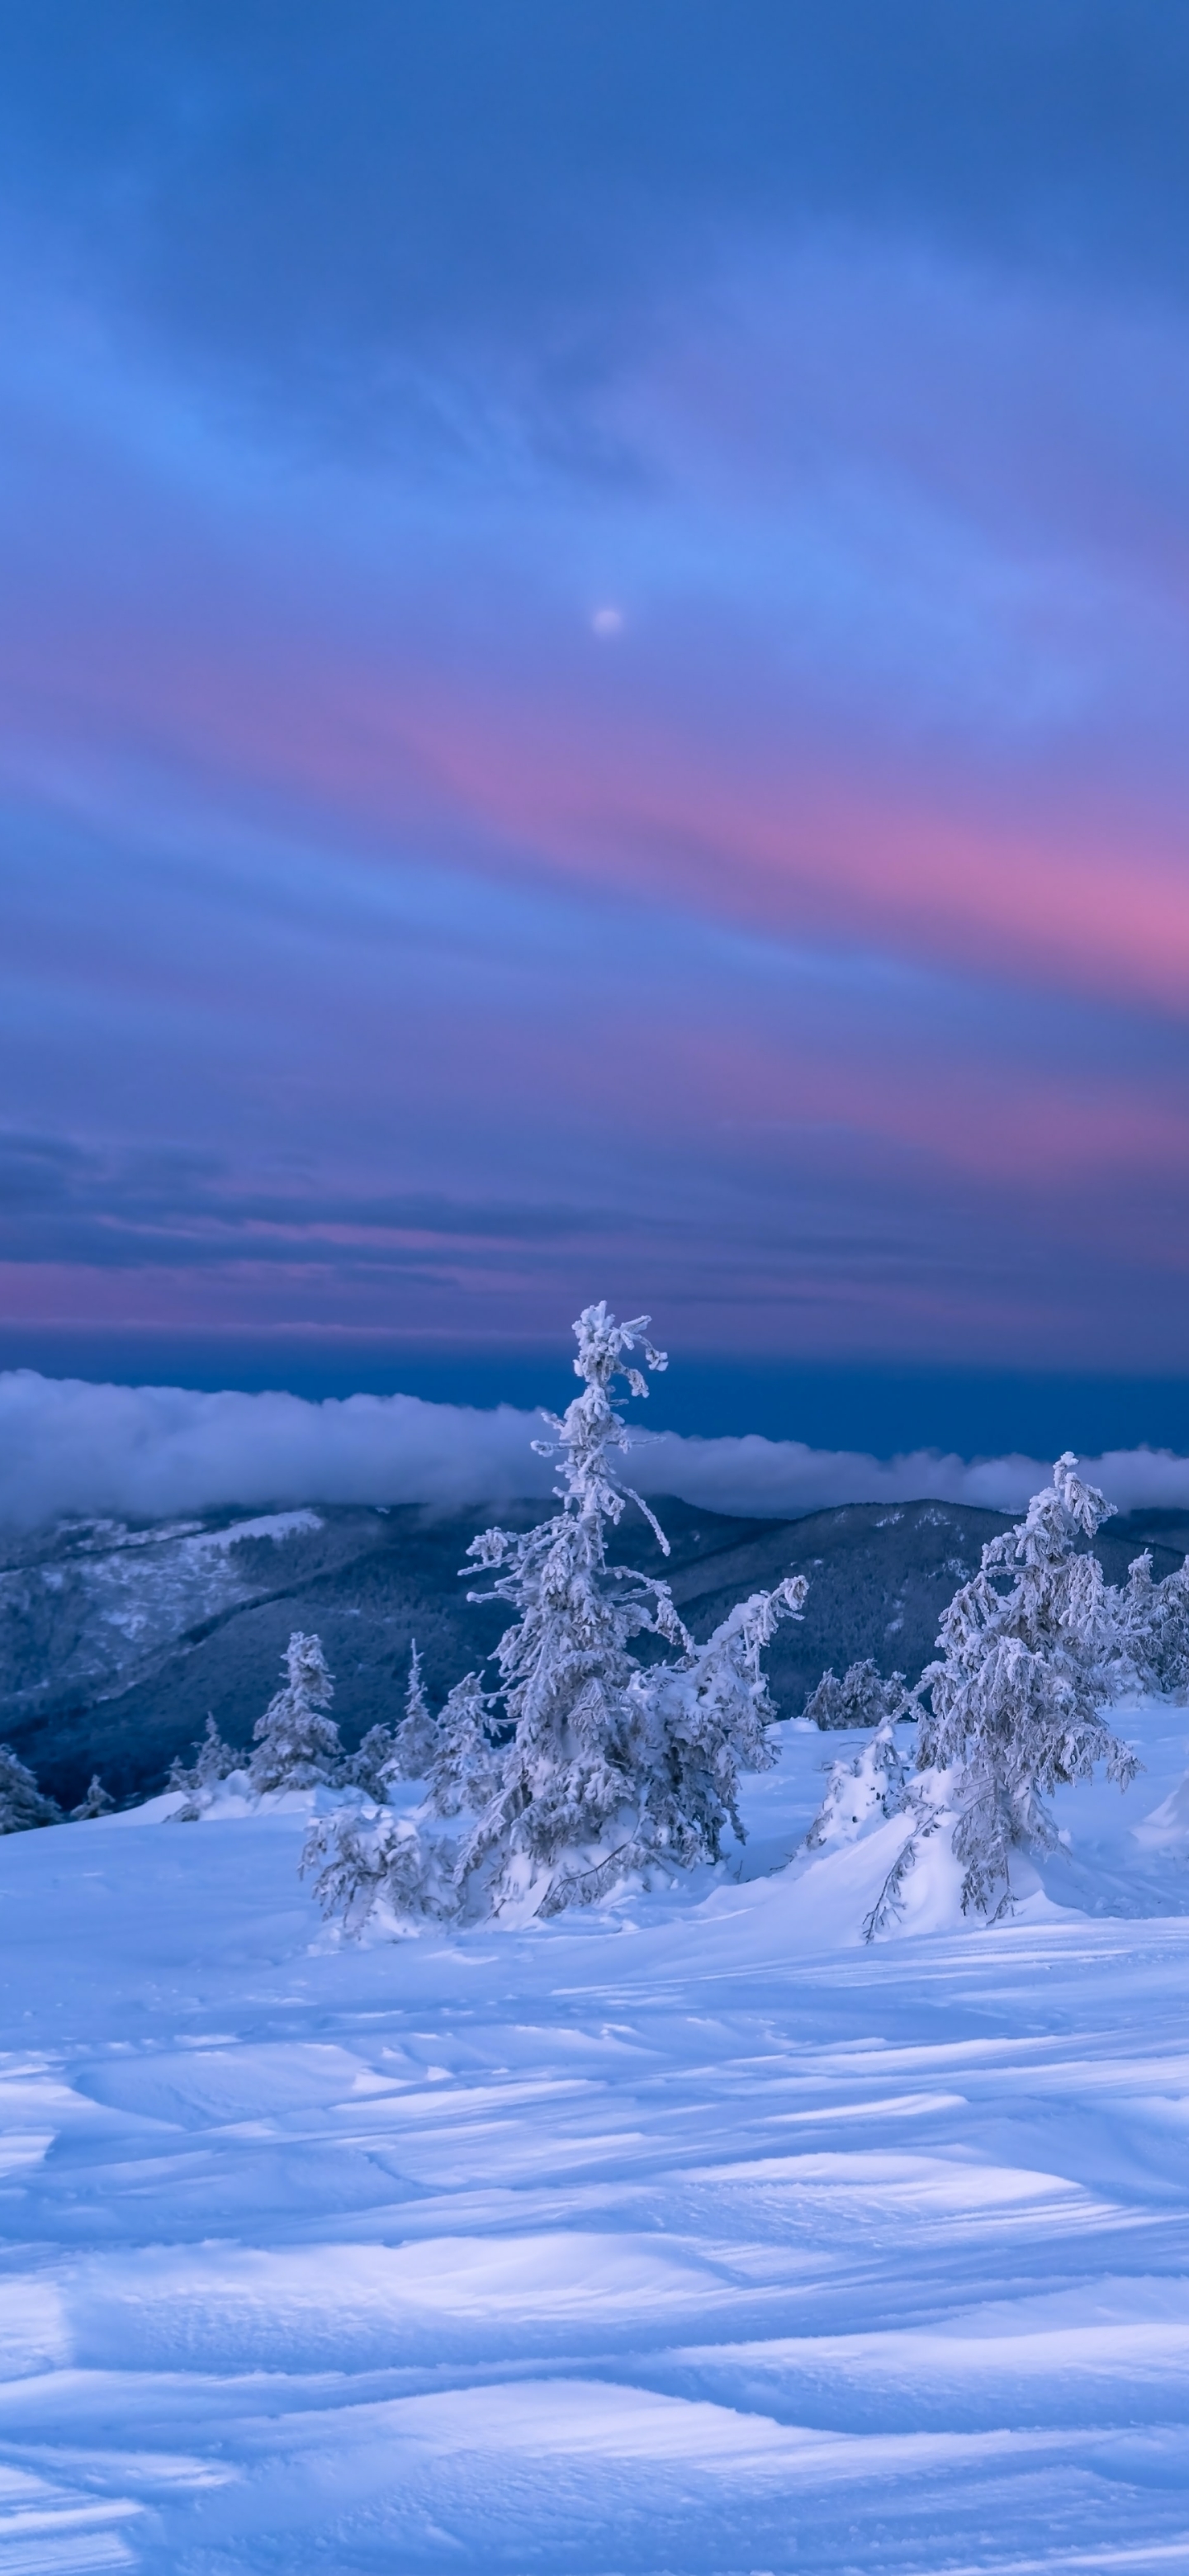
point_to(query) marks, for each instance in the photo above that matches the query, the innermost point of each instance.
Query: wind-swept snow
(692, 2236)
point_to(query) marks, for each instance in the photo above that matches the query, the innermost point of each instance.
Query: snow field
(691, 2236)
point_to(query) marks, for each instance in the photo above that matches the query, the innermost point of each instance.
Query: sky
(594, 646)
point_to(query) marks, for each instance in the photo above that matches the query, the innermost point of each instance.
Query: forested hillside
(116, 1641)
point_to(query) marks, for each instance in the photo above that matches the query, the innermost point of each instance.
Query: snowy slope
(695, 2237)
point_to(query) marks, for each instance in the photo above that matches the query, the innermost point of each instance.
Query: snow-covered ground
(690, 2237)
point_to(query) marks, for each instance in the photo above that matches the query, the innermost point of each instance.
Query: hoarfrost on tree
(709, 1716)
(97, 1802)
(861, 1698)
(375, 1867)
(213, 1761)
(405, 1752)
(296, 1745)
(21, 1802)
(416, 1736)
(1012, 1707)
(615, 1768)
(1154, 1626)
(373, 1764)
(1014, 1699)
(465, 1769)
(876, 1780)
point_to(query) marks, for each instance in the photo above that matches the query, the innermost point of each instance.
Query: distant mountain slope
(116, 1641)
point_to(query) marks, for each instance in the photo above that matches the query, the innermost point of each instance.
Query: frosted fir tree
(705, 1719)
(388, 1754)
(861, 1698)
(373, 1764)
(1027, 1650)
(21, 1802)
(615, 1769)
(1154, 1629)
(569, 1794)
(379, 1866)
(465, 1768)
(96, 1803)
(296, 1744)
(416, 1736)
(213, 1761)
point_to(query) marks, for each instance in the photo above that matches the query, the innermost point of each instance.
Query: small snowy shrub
(96, 1803)
(1027, 1652)
(861, 1698)
(614, 1769)
(707, 1720)
(21, 1802)
(296, 1743)
(874, 1782)
(373, 1864)
(878, 1782)
(213, 1761)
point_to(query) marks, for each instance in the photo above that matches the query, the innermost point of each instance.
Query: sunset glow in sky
(594, 674)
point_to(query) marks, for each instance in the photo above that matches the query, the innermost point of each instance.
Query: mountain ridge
(117, 1639)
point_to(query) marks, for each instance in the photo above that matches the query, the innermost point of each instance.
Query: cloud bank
(69, 1448)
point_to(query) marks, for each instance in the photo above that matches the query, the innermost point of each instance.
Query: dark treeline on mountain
(116, 1643)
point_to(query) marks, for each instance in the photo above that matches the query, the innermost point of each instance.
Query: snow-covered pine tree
(465, 1769)
(296, 1743)
(416, 1736)
(368, 1864)
(405, 1752)
(365, 1862)
(96, 1803)
(861, 1698)
(571, 1777)
(373, 1763)
(705, 1720)
(21, 1802)
(614, 1768)
(1026, 1650)
(213, 1761)
(1154, 1627)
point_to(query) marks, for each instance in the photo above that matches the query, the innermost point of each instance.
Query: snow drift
(70, 1447)
(731, 2245)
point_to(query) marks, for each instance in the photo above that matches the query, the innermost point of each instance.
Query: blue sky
(593, 657)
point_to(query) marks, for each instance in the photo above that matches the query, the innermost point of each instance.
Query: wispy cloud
(604, 692)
